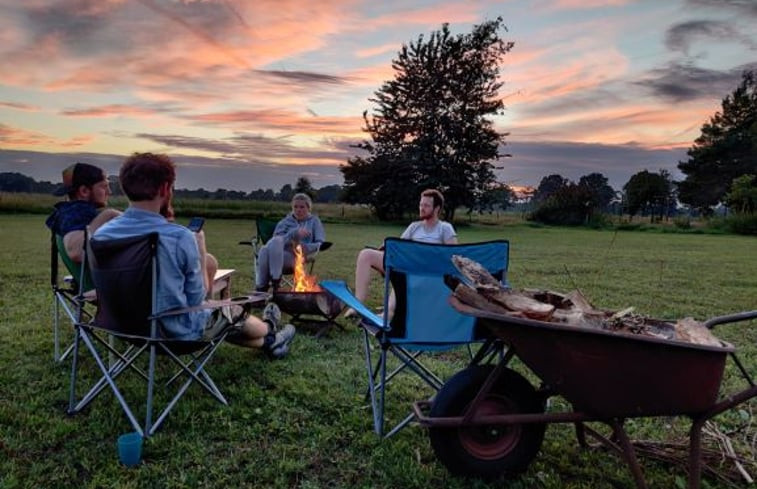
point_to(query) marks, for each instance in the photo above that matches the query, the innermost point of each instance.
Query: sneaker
(272, 315)
(281, 342)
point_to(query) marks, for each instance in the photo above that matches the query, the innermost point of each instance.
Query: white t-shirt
(441, 232)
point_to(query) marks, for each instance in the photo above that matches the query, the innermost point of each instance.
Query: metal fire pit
(321, 308)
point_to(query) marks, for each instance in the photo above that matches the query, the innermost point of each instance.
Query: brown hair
(436, 195)
(142, 175)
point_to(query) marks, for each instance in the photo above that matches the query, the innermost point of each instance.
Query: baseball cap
(79, 174)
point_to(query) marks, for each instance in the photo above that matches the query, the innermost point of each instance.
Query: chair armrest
(256, 298)
(339, 289)
(325, 245)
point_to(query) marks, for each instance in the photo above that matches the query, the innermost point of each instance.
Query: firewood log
(470, 296)
(691, 330)
(475, 273)
(515, 301)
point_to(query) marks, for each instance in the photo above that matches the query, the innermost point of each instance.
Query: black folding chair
(124, 272)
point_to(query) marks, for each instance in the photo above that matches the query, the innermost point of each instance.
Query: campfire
(307, 298)
(302, 281)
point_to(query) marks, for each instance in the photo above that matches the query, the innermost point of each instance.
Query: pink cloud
(376, 50)
(113, 110)
(465, 12)
(19, 106)
(12, 137)
(286, 121)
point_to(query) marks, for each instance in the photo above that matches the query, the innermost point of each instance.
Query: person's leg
(367, 259)
(262, 270)
(275, 257)
(264, 333)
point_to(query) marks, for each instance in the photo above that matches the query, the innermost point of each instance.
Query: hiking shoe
(272, 315)
(280, 346)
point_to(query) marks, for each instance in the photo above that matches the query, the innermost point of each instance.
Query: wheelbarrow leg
(628, 453)
(695, 452)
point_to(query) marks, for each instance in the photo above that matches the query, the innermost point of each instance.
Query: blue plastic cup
(130, 448)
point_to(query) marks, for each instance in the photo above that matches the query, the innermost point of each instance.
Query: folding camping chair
(423, 320)
(125, 274)
(264, 229)
(72, 293)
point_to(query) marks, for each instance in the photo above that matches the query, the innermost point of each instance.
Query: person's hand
(302, 233)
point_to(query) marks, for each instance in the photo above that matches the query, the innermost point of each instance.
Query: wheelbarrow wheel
(487, 452)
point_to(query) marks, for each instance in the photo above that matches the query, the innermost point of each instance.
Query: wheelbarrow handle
(730, 318)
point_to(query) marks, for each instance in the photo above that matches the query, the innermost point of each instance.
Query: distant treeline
(19, 183)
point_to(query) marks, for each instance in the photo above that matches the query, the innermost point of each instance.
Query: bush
(569, 205)
(742, 223)
(682, 222)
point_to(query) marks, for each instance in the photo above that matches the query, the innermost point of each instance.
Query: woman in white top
(429, 229)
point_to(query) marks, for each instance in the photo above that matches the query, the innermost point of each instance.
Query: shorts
(223, 319)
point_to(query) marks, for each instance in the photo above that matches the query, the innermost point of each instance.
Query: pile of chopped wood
(485, 292)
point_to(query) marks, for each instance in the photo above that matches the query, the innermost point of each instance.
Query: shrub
(742, 223)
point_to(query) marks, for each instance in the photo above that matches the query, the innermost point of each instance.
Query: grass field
(302, 422)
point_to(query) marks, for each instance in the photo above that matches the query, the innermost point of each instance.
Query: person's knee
(211, 264)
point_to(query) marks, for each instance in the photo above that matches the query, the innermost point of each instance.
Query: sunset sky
(253, 94)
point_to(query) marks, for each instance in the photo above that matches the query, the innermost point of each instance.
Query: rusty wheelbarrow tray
(489, 421)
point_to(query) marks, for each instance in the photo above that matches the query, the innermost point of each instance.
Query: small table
(222, 283)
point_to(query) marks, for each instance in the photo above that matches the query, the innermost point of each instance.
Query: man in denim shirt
(147, 180)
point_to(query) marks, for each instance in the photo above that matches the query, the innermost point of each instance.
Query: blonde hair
(305, 198)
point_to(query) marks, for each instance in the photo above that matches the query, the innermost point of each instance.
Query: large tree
(600, 191)
(431, 125)
(548, 186)
(726, 149)
(649, 193)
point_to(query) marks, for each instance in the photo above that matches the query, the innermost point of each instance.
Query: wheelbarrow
(489, 421)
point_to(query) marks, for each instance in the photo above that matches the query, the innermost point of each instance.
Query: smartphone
(195, 224)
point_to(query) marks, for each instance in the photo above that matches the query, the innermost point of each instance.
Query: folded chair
(264, 229)
(72, 294)
(125, 274)
(423, 321)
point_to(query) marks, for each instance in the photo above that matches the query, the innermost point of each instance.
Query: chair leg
(107, 376)
(74, 371)
(150, 388)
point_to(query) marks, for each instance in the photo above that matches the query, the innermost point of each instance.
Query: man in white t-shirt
(429, 229)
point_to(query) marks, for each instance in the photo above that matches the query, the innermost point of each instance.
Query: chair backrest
(80, 274)
(124, 272)
(423, 316)
(265, 228)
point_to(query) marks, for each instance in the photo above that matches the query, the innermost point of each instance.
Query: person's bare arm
(73, 242)
(200, 235)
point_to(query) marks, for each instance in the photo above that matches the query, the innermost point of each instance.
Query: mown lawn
(302, 422)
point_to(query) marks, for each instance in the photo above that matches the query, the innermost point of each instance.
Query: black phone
(195, 224)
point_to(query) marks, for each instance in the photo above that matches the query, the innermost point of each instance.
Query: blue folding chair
(423, 320)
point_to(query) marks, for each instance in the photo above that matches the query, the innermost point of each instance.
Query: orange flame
(302, 281)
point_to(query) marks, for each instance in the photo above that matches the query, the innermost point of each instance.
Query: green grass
(302, 422)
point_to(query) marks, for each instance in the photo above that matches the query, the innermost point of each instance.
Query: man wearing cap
(87, 189)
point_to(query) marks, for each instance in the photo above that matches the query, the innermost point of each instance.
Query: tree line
(18, 182)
